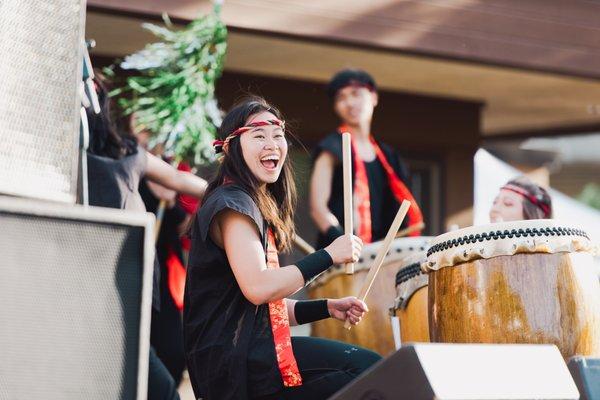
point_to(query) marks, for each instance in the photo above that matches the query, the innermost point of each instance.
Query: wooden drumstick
(413, 228)
(303, 245)
(160, 213)
(387, 242)
(347, 173)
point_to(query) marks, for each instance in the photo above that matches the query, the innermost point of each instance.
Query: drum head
(504, 239)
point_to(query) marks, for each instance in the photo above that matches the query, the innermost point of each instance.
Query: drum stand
(395, 322)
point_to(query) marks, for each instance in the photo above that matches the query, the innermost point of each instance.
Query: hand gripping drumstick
(387, 242)
(347, 173)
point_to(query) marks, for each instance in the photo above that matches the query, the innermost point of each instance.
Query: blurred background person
(521, 199)
(166, 334)
(116, 165)
(380, 178)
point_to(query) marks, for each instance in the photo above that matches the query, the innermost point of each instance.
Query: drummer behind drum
(379, 176)
(521, 199)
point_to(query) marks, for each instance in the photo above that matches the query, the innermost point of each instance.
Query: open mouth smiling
(270, 161)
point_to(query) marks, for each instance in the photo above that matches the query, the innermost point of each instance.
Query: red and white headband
(223, 145)
(535, 200)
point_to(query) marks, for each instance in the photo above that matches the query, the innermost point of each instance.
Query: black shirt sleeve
(233, 198)
(331, 143)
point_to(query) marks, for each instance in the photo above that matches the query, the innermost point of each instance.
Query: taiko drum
(521, 282)
(411, 305)
(375, 330)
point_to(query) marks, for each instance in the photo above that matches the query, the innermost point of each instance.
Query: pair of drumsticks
(348, 223)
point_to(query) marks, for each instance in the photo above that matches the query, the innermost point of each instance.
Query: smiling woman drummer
(236, 314)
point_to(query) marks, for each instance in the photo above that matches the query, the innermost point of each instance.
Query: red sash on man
(280, 325)
(362, 197)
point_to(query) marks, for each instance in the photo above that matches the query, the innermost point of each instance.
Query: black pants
(326, 366)
(166, 335)
(161, 385)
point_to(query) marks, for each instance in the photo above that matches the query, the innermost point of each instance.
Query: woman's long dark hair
(108, 137)
(276, 201)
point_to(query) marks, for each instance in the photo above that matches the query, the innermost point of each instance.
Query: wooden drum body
(411, 304)
(374, 331)
(530, 282)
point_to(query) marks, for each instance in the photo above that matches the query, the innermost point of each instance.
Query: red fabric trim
(176, 278)
(362, 199)
(280, 326)
(357, 84)
(400, 191)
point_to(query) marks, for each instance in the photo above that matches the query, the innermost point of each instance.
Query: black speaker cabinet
(586, 373)
(428, 371)
(75, 296)
(41, 53)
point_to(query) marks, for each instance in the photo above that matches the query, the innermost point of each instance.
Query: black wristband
(310, 310)
(313, 264)
(333, 232)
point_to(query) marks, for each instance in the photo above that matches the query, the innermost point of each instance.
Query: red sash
(175, 278)
(280, 325)
(362, 199)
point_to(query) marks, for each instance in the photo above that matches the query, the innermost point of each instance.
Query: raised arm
(244, 249)
(320, 192)
(239, 237)
(182, 182)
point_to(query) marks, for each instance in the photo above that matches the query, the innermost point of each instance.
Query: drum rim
(408, 272)
(504, 234)
(406, 289)
(509, 225)
(476, 243)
